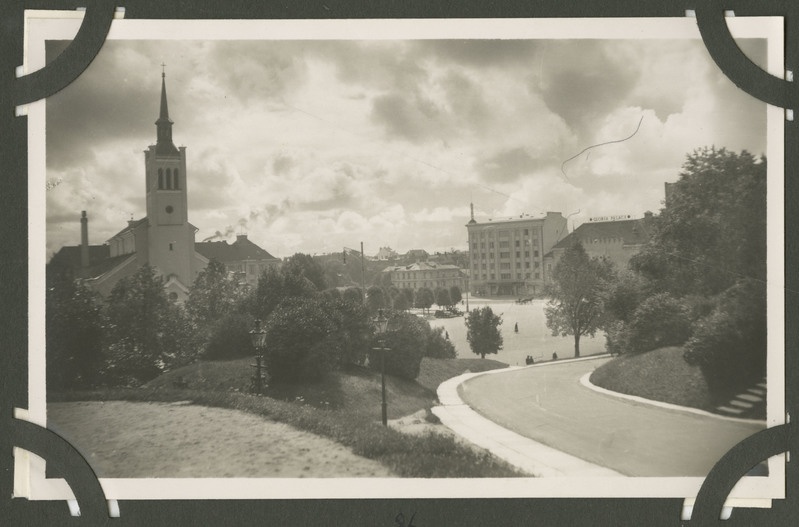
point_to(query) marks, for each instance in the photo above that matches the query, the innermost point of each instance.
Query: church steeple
(164, 146)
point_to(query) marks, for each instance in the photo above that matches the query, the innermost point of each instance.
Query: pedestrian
(446, 334)
(516, 327)
(554, 356)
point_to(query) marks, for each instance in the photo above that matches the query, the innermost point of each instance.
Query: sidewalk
(530, 456)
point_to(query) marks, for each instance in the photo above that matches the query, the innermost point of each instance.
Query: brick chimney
(84, 239)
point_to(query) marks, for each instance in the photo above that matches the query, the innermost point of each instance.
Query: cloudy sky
(315, 145)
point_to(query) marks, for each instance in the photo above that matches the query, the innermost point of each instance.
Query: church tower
(170, 236)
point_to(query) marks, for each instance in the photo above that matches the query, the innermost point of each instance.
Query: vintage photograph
(522, 256)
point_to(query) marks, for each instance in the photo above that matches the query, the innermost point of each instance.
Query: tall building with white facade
(506, 256)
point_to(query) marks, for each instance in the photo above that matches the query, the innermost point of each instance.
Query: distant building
(386, 253)
(243, 258)
(426, 274)
(416, 255)
(506, 256)
(614, 239)
(163, 239)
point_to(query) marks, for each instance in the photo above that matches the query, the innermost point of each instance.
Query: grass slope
(660, 375)
(344, 407)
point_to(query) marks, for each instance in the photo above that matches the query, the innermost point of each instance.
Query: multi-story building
(426, 274)
(243, 258)
(506, 256)
(615, 238)
(386, 253)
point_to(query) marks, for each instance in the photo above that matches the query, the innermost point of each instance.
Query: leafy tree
(406, 338)
(274, 286)
(308, 337)
(148, 334)
(375, 299)
(305, 265)
(401, 302)
(353, 295)
(230, 338)
(442, 297)
(729, 343)
(424, 298)
(437, 346)
(661, 320)
(213, 295)
(455, 294)
(332, 293)
(74, 336)
(482, 331)
(712, 231)
(576, 293)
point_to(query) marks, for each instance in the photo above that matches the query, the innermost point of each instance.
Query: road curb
(522, 452)
(585, 380)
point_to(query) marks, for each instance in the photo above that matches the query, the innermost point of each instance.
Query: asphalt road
(547, 403)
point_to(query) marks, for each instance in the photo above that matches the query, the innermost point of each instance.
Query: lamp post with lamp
(381, 325)
(258, 339)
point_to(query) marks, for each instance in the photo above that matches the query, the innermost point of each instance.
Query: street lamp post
(258, 339)
(381, 325)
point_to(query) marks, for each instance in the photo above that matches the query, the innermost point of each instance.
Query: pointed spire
(471, 205)
(164, 145)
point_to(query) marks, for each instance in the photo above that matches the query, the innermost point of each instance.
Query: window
(176, 181)
(518, 254)
(537, 276)
(536, 265)
(526, 254)
(171, 246)
(505, 276)
(535, 253)
(490, 245)
(504, 244)
(504, 266)
(526, 232)
(493, 276)
(518, 265)
(504, 255)
(160, 179)
(526, 265)
(518, 276)
(517, 243)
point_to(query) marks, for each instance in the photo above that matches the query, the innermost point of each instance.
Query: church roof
(241, 249)
(164, 146)
(100, 261)
(132, 224)
(630, 232)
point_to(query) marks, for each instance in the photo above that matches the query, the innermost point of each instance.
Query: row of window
(409, 275)
(508, 276)
(504, 254)
(505, 265)
(168, 180)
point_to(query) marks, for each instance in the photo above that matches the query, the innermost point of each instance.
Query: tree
(442, 297)
(424, 298)
(406, 337)
(305, 265)
(575, 306)
(148, 334)
(74, 336)
(274, 286)
(712, 231)
(375, 299)
(213, 295)
(353, 295)
(455, 294)
(401, 302)
(482, 331)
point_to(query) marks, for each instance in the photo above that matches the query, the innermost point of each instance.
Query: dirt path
(135, 440)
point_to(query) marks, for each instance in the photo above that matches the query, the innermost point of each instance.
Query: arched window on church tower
(176, 181)
(160, 179)
(169, 179)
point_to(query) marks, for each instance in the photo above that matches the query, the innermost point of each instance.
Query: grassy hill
(660, 375)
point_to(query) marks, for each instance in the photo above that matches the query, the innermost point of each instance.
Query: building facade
(243, 258)
(426, 275)
(506, 257)
(613, 239)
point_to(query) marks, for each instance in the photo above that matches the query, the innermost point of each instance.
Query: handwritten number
(399, 520)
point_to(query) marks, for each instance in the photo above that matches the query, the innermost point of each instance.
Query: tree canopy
(576, 293)
(712, 231)
(482, 331)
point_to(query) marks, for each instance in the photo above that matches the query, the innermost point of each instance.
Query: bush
(617, 339)
(307, 337)
(437, 346)
(406, 339)
(729, 344)
(230, 338)
(659, 321)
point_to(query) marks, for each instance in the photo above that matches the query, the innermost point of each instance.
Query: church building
(164, 238)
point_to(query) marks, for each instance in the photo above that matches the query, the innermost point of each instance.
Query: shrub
(230, 338)
(659, 321)
(437, 346)
(406, 339)
(617, 339)
(729, 344)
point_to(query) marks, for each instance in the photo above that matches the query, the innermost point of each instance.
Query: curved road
(547, 403)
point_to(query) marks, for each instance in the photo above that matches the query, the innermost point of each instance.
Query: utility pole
(363, 278)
